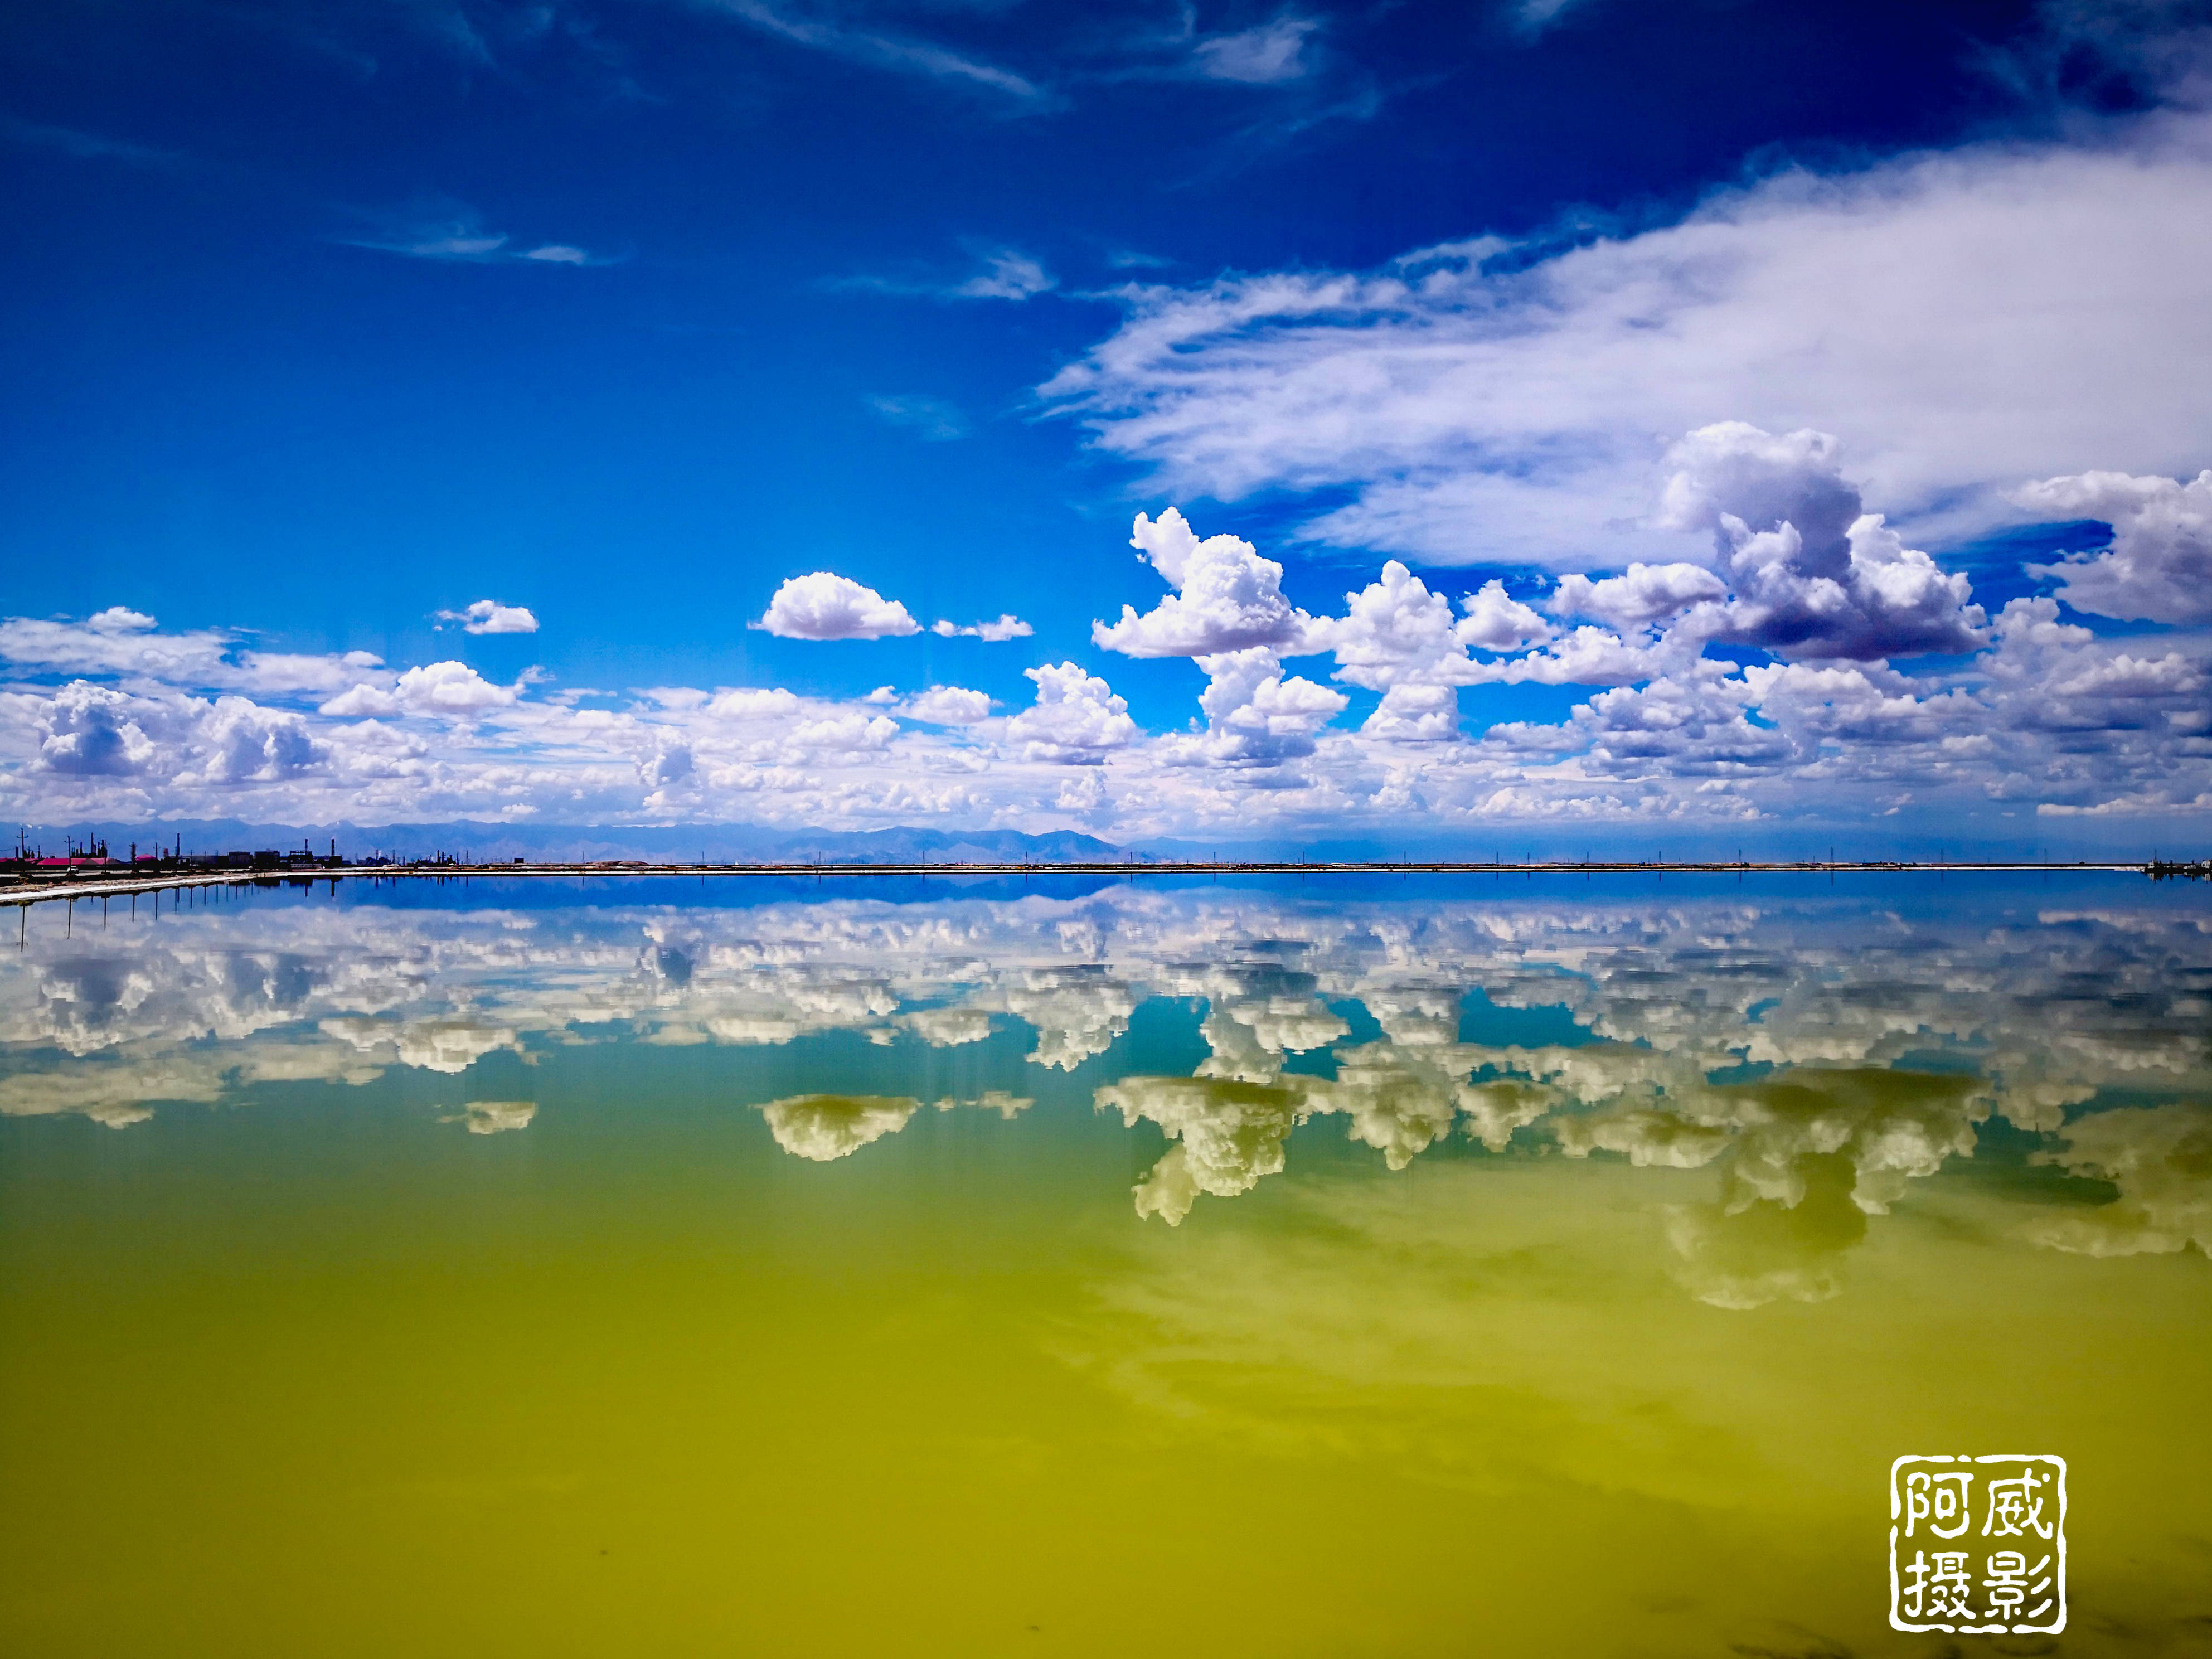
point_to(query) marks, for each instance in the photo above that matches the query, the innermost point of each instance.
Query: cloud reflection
(1814, 1058)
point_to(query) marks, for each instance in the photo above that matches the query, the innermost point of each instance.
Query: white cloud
(1413, 713)
(2050, 719)
(1008, 274)
(450, 233)
(89, 146)
(360, 701)
(1816, 576)
(752, 703)
(947, 705)
(252, 744)
(822, 605)
(118, 641)
(1253, 714)
(881, 50)
(1395, 631)
(1000, 273)
(279, 673)
(1272, 52)
(1963, 320)
(1227, 597)
(491, 617)
(1645, 594)
(1076, 719)
(2160, 566)
(93, 732)
(449, 688)
(846, 732)
(1007, 627)
(1534, 16)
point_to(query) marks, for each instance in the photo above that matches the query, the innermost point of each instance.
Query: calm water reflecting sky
(1819, 1051)
(1396, 1268)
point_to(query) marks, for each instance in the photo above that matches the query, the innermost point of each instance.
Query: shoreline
(77, 887)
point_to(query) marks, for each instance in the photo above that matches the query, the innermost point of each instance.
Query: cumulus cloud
(1226, 597)
(449, 688)
(1413, 713)
(93, 732)
(1395, 631)
(1963, 320)
(947, 705)
(1805, 717)
(1007, 627)
(822, 605)
(1816, 576)
(2158, 567)
(1254, 714)
(491, 617)
(251, 744)
(1642, 595)
(1076, 720)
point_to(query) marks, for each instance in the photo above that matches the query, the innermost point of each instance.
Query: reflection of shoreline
(1819, 1057)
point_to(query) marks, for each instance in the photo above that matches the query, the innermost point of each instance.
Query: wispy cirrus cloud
(89, 146)
(932, 420)
(1533, 17)
(454, 234)
(997, 273)
(1963, 320)
(825, 29)
(1269, 54)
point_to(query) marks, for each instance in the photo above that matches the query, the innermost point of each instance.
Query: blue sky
(1612, 323)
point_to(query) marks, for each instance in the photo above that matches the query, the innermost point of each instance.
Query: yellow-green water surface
(1408, 1272)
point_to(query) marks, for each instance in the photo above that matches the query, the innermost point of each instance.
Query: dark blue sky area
(217, 387)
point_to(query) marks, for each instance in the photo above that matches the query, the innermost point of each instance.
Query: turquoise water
(1395, 1268)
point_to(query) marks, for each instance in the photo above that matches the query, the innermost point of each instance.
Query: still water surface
(1404, 1268)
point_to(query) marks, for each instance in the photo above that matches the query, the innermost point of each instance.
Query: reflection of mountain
(1817, 1057)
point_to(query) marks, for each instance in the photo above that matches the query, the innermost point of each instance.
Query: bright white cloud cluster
(822, 605)
(1007, 627)
(1076, 719)
(1782, 673)
(1226, 597)
(2160, 566)
(491, 617)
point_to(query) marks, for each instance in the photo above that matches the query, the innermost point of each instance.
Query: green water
(1409, 1270)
